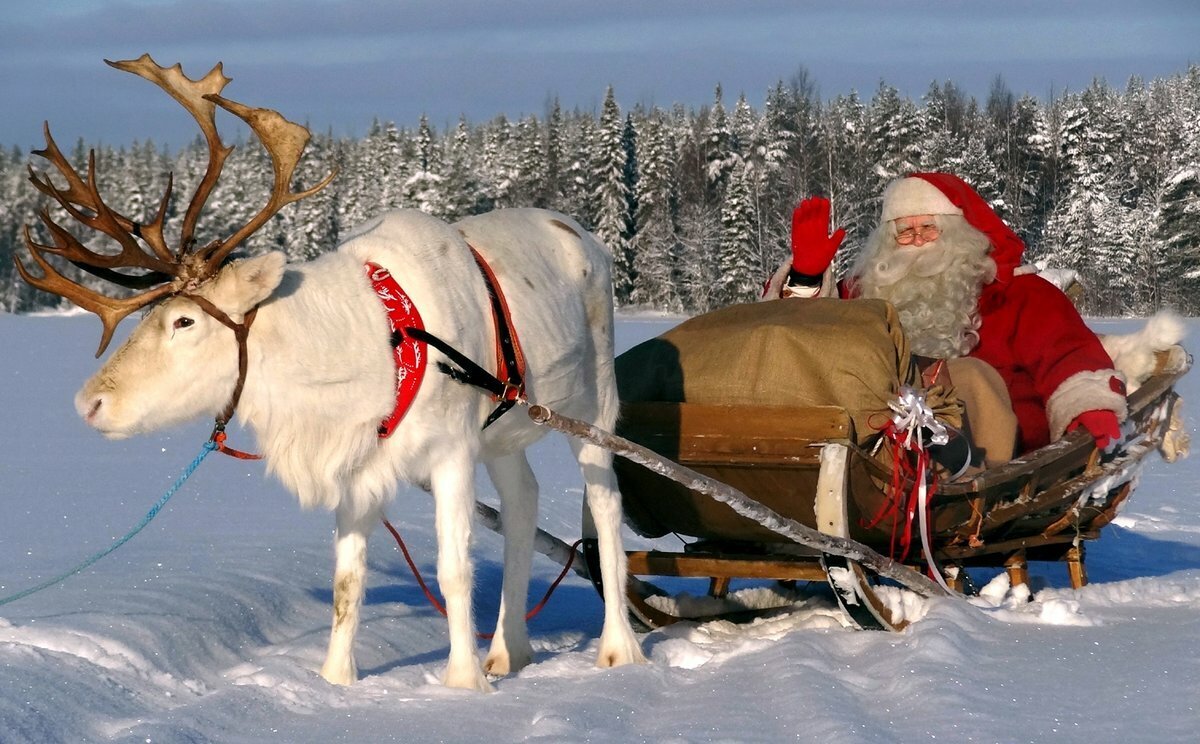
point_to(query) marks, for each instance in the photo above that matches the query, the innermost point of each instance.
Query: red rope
(413, 567)
(433, 600)
(219, 438)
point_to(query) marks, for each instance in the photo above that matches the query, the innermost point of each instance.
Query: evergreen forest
(696, 204)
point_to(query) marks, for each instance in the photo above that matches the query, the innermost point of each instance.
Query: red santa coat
(1053, 365)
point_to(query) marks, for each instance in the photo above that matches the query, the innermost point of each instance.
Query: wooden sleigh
(682, 465)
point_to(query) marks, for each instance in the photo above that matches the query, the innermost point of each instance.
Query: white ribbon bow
(913, 416)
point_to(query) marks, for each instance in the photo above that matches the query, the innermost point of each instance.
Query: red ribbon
(915, 470)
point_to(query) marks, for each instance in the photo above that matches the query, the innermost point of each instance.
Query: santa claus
(949, 265)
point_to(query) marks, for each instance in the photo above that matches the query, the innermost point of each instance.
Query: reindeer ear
(245, 283)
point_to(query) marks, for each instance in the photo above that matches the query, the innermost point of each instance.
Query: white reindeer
(318, 371)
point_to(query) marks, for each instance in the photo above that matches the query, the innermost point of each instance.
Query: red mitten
(1102, 425)
(812, 245)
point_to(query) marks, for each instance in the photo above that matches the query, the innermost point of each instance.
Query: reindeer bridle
(241, 332)
(159, 271)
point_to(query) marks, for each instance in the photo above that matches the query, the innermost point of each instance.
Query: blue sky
(338, 64)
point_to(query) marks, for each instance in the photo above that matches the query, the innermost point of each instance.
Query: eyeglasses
(926, 233)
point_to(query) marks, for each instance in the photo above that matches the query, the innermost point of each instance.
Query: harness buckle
(512, 393)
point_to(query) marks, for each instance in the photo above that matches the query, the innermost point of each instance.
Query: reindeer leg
(349, 579)
(453, 483)
(518, 489)
(618, 644)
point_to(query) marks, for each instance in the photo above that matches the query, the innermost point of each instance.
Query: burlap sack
(794, 352)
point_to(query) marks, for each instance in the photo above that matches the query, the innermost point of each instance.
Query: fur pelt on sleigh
(1154, 348)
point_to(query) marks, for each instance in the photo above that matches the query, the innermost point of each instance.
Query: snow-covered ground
(211, 623)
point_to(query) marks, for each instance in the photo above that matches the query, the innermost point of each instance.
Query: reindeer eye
(183, 322)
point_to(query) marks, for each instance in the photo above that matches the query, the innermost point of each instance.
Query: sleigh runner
(821, 466)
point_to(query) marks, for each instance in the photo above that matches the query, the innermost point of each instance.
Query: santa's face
(917, 231)
(931, 268)
(908, 248)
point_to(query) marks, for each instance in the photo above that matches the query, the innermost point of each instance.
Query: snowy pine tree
(609, 159)
(1089, 222)
(720, 156)
(424, 189)
(654, 240)
(555, 159)
(580, 181)
(738, 260)
(893, 131)
(1178, 233)
(851, 186)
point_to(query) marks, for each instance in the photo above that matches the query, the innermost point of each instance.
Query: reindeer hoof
(468, 679)
(625, 650)
(501, 663)
(339, 673)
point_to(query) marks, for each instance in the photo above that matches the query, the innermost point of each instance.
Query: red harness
(409, 339)
(410, 355)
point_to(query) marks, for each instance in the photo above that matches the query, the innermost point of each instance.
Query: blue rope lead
(209, 446)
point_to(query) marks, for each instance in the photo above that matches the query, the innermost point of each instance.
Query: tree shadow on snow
(1122, 554)
(1119, 555)
(574, 605)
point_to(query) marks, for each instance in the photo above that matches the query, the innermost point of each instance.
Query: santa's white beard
(934, 288)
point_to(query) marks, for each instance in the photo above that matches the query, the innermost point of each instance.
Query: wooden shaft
(543, 542)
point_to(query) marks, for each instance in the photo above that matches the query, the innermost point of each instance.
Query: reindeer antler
(285, 142)
(161, 271)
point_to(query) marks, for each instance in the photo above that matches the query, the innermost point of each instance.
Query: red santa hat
(944, 193)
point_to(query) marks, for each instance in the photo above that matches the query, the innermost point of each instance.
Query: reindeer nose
(89, 406)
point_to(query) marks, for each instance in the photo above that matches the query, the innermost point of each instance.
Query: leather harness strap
(409, 339)
(506, 386)
(241, 331)
(510, 360)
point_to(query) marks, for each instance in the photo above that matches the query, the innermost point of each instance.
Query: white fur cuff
(774, 290)
(1083, 391)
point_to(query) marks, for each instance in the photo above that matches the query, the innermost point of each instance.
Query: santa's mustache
(895, 263)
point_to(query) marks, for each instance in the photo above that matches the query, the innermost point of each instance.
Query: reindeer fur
(320, 379)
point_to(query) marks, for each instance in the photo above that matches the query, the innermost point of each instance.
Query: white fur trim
(774, 290)
(1083, 391)
(1133, 354)
(911, 196)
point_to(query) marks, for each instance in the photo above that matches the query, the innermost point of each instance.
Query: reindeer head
(176, 361)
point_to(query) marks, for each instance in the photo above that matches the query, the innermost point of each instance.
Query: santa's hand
(812, 245)
(1102, 425)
